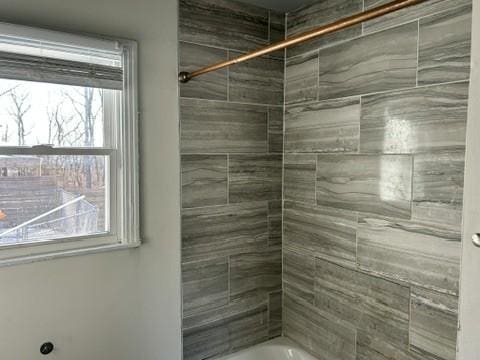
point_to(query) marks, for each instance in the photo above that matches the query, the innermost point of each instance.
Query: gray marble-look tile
(277, 26)
(275, 223)
(370, 347)
(257, 81)
(320, 13)
(275, 314)
(361, 66)
(438, 188)
(225, 330)
(275, 129)
(409, 251)
(223, 230)
(255, 177)
(301, 78)
(326, 126)
(220, 127)
(444, 46)
(237, 308)
(326, 339)
(411, 13)
(209, 86)
(299, 274)
(320, 231)
(378, 184)
(207, 342)
(204, 285)
(249, 331)
(433, 324)
(417, 120)
(256, 272)
(204, 180)
(368, 303)
(223, 23)
(299, 177)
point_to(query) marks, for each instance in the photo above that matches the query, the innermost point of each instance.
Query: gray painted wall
(375, 127)
(119, 305)
(231, 145)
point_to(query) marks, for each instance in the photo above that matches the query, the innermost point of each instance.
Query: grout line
(231, 102)
(228, 49)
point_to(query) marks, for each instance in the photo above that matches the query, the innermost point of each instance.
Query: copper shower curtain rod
(344, 23)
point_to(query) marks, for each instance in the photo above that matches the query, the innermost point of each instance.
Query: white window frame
(122, 176)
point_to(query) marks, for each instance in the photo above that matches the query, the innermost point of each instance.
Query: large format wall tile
(301, 78)
(257, 272)
(408, 14)
(221, 23)
(444, 46)
(223, 230)
(299, 274)
(379, 184)
(275, 129)
(320, 231)
(327, 126)
(202, 343)
(326, 339)
(258, 80)
(433, 328)
(204, 180)
(204, 285)
(321, 13)
(226, 329)
(424, 119)
(255, 177)
(299, 177)
(209, 86)
(362, 66)
(369, 303)
(408, 251)
(438, 188)
(220, 127)
(370, 347)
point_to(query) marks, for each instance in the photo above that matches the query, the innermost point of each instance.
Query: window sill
(67, 253)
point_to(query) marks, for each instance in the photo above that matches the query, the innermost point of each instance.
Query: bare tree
(5, 136)
(60, 130)
(83, 101)
(20, 107)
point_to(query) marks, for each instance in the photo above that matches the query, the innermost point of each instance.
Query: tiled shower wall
(375, 127)
(231, 146)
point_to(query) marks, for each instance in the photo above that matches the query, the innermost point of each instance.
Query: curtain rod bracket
(184, 77)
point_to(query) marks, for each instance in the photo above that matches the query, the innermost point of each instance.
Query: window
(68, 152)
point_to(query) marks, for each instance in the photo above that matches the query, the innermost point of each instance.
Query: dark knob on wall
(46, 348)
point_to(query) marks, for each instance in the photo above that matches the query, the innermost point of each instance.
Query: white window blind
(90, 63)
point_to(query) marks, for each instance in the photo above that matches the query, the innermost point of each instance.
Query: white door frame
(469, 316)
